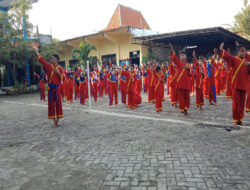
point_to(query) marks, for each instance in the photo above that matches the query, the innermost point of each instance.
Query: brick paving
(116, 148)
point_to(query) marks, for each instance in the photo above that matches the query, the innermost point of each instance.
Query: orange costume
(54, 92)
(183, 83)
(239, 84)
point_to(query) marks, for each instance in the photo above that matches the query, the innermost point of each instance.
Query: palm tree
(83, 53)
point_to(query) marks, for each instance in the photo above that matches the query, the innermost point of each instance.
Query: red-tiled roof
(125, 16)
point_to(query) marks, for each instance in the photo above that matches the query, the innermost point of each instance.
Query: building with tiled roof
(113, 42)
(127, 17)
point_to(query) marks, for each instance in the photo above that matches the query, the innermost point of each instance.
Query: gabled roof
(124, 17)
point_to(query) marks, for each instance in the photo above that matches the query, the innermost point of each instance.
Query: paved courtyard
(116, 148)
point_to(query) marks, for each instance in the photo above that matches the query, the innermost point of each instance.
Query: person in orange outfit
(199, 81)
(54, 72)
(217, 77)
(173, 84)
(241, 71)
(151, 81)
(159, 78)
(183, 80)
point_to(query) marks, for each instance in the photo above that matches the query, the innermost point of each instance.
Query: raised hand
(35, 48)
(171, 47)
(237, 43)
(221, 46)
(193, 54)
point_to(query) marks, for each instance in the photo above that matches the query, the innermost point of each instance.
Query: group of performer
(205, 77)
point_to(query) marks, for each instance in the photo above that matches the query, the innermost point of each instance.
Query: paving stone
(100, 151)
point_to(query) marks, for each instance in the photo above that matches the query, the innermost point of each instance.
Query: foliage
(14, 48)
(242, 20)
(47, 50)
(83, 54)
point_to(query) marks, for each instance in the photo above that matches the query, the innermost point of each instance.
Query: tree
(83, 53)
(47, 50)
(242, 20)
(14, 49)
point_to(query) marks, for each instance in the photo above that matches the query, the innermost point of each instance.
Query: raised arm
(224, 54)
(174, 58)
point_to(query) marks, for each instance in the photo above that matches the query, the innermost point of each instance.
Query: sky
(66, 19)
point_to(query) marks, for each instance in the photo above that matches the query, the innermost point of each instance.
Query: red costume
(113, 88)
(151, 90)
(217, 78)
(183, 83)
(69, 86)
(199, 84)
(239, 84)
(131, 90)
(42, 82)
(248, 89)
(229, 81)
(159, 78)
(123, 85)
(54, 92)
(173, 84)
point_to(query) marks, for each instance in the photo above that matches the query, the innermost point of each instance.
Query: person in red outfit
(183, 80)
(217, 77)
(241, 71)
(145, 80)
(94, 81)
(83, 87)
(54, 72)
(101, 82)
(42, 81)
(131, 89)
(173, 84)
(63, 88)
(123, 84)
(138, 86)
(199, 81)
(113, 86)
(248, 89)
(151, 81)
(159, 78)
(69, 85)
(210, 66)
